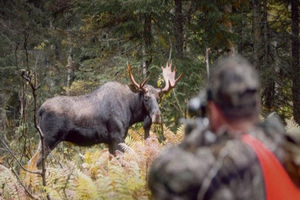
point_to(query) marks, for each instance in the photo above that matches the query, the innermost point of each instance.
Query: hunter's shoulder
(273, 125)
(178, 172)
(177, 160)
(271, 132)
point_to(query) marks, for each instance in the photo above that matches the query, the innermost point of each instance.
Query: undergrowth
(93, 173)
(97, 174)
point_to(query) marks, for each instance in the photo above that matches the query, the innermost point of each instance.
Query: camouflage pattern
(209, 166)
(234, 86)
(292, 147)
(206, 166)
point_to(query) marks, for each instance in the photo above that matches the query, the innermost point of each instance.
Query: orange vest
(278, 185)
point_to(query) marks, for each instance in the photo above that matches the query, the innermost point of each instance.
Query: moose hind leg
(49, 144)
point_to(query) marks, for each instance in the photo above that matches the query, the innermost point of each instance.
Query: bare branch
(26, 190)
(26, 75)
(10, 151)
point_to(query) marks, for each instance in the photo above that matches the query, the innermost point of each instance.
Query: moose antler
(169, 77)
(138, 86)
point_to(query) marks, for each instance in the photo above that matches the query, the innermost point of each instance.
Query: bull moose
(103, 116)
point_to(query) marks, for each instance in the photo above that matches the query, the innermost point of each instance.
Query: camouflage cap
(234, 86)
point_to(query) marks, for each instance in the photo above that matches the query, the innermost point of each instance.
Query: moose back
(103, 116)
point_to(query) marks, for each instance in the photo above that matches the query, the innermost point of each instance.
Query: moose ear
(133, 88)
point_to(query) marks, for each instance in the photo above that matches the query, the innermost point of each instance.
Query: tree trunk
(69, 69)
(261, 52)
(207, 62)
(268, 77)
(26, 36)
(178, 29)
(230, 46)
(147, 36)
(295, 60)
(257, 38)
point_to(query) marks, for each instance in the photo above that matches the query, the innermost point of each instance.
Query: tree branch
(10, 151)
(16, 175)
(26, 75)
(18, 178)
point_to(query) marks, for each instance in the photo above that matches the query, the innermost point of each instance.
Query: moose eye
(146, 98)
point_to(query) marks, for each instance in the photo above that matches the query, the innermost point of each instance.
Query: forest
(71, 47)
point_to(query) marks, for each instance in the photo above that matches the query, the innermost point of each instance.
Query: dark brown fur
(103, 116)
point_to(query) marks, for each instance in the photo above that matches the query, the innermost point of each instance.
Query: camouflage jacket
(209, 167)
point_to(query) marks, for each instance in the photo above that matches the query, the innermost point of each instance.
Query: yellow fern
(93, 173)
(85, 187)
(292, 124)
(10, 189)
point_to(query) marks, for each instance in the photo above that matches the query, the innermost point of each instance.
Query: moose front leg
(147, 125)
(114, 145)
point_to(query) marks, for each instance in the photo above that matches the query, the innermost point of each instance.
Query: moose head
(151, 95)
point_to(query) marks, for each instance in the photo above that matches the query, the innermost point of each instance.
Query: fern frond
(9, 185)
(291, 123)
(171, 137)
(104, 186)
(136, 135)
(99, 175)
(85, 187)
(180, 129)
(152, 149)
(130, 140)
(128, 149)
(59, 181)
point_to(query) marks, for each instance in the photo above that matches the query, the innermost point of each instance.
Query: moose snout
(156, 117)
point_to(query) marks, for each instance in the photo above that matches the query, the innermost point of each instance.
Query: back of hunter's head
(234, 87)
